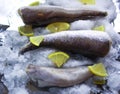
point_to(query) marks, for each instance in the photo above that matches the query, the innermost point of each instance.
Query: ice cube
(4, 53)
(78, 89)
(40, 57)
(19, 90)
(114, 81)
(14, 40)
(82, 25)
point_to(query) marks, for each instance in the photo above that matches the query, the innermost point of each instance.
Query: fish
(44, 14)
(3, 88)
(4, 23)
(57, 77)
(3, 27)
(85, 42)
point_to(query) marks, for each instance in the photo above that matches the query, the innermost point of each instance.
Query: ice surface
(82, 25)
(13, 66)
(13, 39)
(19, 90)
(15, 75)
(114, 80)
(81, 89)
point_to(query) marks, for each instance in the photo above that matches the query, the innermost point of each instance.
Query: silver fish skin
(48, 76)
(44, 14)
(85, 42)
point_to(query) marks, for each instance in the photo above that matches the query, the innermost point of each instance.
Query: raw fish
(86, 42)
(48, 76)
(43, 15)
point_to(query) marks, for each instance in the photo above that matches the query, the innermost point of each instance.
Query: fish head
(34, 72)
(31, 71)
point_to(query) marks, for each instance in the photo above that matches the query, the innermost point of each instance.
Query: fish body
(44, 15)
(48, 76)
(86, 42)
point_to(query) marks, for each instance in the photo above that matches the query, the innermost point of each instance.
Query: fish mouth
(32, 72)
(30, 69)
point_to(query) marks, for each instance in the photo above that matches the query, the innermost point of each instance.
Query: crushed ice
(13, 66)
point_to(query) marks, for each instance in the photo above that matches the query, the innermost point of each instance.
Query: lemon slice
(99, 28)
(98, 70)
(99, 80)
(26, 30)
(58, 58)
(36, 3)
(88, 2)
(36, 40)
(58, 26)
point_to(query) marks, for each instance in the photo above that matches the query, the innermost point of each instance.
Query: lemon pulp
(88, 2)
(36, 40)
(58, 58)
(35, 3)
(26, 30)
(58, 26)
(98, 80)
(99, 28)
(98, 70)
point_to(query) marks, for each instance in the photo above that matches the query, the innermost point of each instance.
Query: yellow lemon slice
(98, 70)
(58, 58)
(88, 2)
(99, 28)
(58, 26)
(26, 30)
(36, 40)
(36, 3)
(99, 80)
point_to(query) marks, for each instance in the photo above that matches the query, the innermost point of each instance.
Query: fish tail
(26, 48)
(35, 42)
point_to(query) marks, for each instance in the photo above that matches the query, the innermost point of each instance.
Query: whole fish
(43, 15)
(86, 42)
(48, 76)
